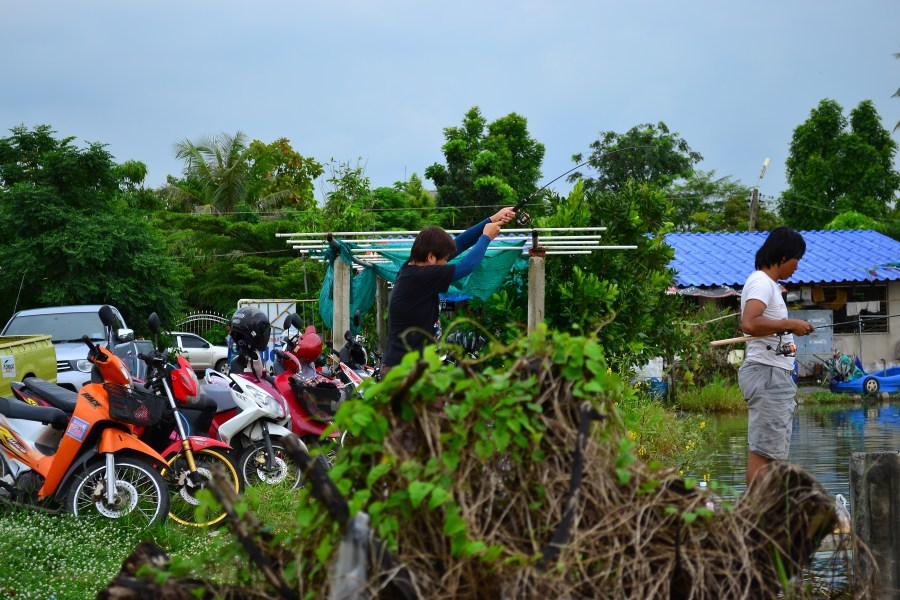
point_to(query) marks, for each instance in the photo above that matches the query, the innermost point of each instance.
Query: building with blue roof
(848, 281)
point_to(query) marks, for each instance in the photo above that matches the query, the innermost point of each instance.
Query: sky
(375, 83)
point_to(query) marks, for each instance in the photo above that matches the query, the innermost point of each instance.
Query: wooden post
(340, 319)
(875, 501)
(381, 305)
(536, 278)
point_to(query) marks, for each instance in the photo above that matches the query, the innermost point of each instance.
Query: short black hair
(782, 244)
(432, 240)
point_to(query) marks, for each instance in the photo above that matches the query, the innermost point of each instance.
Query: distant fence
(199, 323)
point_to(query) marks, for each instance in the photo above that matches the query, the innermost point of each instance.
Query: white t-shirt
(760, 286)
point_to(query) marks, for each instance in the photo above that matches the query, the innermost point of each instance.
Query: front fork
(110, 478)
(270, 451)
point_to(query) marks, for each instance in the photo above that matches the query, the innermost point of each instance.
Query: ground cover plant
(46, 556)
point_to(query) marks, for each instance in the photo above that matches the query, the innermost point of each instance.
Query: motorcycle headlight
(266, 401)
(83, 365)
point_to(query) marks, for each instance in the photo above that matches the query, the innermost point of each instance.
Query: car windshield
(64, 327)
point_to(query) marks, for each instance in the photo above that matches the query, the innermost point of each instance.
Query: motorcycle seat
(43, 414)
(60, 397)
(221, 395)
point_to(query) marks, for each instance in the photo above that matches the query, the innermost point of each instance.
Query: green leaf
(377, 472)
(417, 492)
(438, 497)
(453, 523)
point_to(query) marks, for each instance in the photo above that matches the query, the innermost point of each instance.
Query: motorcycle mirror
(296, 321)
(287, 323)
(153, 323)
(107, 316)
(356, 319)
(348, 336)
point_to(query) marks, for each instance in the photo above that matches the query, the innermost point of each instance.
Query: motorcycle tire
(141, 492)
(183, 506)
(251, 466)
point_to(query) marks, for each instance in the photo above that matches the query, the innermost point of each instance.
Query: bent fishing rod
(524, 218)
(746, 338)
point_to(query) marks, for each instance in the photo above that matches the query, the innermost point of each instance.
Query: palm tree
(218, 168)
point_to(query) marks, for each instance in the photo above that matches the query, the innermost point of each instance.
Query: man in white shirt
(765, 377)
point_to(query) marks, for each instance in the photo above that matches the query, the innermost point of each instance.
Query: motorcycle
(91, 462)
(312, 398)
(251, 415)
(191, 458)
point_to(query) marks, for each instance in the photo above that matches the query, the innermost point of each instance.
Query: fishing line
(524, 218)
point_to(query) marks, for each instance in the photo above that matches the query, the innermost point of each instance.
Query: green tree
(853, 220)
(487, 165)
(229, 259)
(70, 236)
(279, 176)
(831, 169)
(348, 198)
(621, 293)
(392, 210)
(645, 153)
(216, 171)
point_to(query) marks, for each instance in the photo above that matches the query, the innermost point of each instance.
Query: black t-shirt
(414, 303)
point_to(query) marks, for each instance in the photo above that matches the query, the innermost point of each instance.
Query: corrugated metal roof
(714, 259)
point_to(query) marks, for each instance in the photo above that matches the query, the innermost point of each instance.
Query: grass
(662, 436)
(719, 395)
(722, 396)
(60, 557)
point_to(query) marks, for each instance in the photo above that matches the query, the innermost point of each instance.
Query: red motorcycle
(312, 398)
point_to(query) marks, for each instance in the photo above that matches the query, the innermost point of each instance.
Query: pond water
(823, 440)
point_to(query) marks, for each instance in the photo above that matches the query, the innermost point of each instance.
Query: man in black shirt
(414, 303)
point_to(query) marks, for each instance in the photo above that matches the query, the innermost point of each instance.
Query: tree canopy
(70, 237)
(833, 169)
(487, 166)
(645, 153)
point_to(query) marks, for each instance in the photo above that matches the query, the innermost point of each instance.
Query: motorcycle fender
(115, 440)
(197, 443)
(275, 431)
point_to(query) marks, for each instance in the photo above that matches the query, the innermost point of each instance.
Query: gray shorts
(771, 397)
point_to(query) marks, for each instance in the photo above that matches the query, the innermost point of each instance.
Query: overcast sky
(380, 80)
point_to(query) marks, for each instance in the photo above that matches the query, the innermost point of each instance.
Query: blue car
(886, 380)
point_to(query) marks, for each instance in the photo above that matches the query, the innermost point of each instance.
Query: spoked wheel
(184, 502)
(284, 471)
(141, 492)
(871, 385)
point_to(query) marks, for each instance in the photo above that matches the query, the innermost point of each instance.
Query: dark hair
(432, 240)
(782, 244)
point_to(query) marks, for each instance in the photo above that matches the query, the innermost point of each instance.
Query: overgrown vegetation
(465, 471)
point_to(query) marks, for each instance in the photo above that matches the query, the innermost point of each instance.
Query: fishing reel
(783, 348)
(522, 218)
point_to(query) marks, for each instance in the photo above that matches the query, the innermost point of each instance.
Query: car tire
(221, 366)
(871, 385)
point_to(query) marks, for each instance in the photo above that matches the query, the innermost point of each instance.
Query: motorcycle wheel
(141, 492)
(252, 467)
(184, 503)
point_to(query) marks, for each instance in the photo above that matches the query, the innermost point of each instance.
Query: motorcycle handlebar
(93, 350)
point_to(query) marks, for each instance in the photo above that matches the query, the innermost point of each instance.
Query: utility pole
(754, 198)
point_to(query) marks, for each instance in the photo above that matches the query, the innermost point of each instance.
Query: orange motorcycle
(91, 462)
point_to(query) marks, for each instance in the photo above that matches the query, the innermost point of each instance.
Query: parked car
(24, 356)
(66, 325)
(201, 353)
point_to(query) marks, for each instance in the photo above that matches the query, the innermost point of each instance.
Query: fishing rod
(524, 218)
(745, 338)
